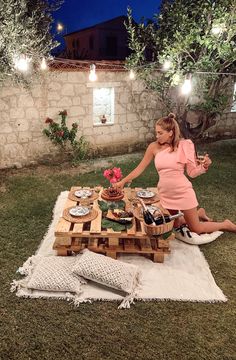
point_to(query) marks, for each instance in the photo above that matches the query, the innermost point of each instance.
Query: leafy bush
(66, 138)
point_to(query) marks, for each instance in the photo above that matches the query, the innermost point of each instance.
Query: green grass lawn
(54, 329)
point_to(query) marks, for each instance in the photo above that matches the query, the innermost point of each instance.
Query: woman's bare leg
(192, 220)
(181, 221)
(202, 215)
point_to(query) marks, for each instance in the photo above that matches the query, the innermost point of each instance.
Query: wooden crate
(73, 237)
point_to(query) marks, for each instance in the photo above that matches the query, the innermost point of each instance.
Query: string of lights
(21, 63)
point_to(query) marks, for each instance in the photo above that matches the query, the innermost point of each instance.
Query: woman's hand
(206, 162)
(119, 185)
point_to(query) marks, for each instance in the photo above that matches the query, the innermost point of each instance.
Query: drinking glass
(201, 157)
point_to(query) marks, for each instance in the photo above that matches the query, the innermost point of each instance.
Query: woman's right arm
(147, 158)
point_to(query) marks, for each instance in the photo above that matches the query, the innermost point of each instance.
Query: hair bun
(171, 116)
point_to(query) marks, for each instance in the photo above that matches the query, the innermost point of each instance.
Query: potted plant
(103, 119)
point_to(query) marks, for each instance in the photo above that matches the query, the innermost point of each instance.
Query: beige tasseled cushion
(54, 274)
(107, 271)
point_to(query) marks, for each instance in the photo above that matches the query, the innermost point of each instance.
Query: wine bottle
(159, 220)
(148, 217)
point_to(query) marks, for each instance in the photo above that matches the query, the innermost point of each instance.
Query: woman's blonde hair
(169, 123)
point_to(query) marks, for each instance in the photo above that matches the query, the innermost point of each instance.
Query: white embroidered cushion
(54, 274)
(107, 271)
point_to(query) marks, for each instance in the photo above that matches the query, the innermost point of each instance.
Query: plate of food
(83, 193)
(79, 211)
(145, 194)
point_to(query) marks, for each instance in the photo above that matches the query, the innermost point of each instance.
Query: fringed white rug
(184, 275)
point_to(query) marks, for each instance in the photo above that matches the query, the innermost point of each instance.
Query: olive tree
(198, 38)
(25, 30)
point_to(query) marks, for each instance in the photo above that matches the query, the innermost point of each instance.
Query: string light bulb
(21, 63)
(43, 65)
(92, 73)
(186, 87)
(132, 74)
(167, 64)
(216, 30)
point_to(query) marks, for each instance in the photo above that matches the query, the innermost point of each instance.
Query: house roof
(122, 17)
(84, 65)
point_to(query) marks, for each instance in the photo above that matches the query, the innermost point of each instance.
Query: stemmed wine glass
(201, 156)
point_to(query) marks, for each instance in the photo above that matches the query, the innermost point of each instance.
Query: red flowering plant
(113, 175)
(59, 132)
(61, 135)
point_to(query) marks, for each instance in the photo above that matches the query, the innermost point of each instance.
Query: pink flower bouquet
(113, 175)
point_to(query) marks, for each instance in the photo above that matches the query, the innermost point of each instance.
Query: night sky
(79, 14)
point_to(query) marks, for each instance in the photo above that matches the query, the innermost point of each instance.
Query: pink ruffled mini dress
(175, 190)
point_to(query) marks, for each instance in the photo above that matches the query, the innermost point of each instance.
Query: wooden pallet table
(73, 237)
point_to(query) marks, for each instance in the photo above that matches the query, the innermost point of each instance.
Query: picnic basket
(159, 229)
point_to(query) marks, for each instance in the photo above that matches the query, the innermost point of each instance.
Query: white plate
(145, 194)
(83, 193)
(79, 211)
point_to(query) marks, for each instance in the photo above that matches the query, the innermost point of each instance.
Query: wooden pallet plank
(145, 244)
(70, 203)
(129, 244)
(78, 228)
(62, 252)
(96, 224)
(158, 257)
(113, 233)
(62, 241)
(113, 242)
(132, 229)
(62, 227)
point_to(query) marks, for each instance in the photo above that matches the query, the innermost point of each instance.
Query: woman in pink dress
(172, 156)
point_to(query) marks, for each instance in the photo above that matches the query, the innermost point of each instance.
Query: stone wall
(23, 114)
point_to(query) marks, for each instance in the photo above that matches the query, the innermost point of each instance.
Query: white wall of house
(23, 113)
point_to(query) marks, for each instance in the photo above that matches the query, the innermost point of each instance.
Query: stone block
(11, 138)
(76, 101)
(86, 99)
(75, 77)
(64, 103)
(25, 101)
(133, 117)
(6, 128)
(3, 105)
(55, 86)
(31, 113)
(3, 139)
(16, 113)
(76, 110)
(67, 90)
(53, 95)
(81, 89)
(22, 124)
(13, 152)
(24, 137)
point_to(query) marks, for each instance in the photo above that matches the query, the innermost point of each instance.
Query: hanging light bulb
(92, 73)
(21, 63)
(216, 30)
(186, 87)
(167, 64)
(132, 75)
(43, 65)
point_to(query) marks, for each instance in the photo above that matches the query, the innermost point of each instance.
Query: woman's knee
(196, 228)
